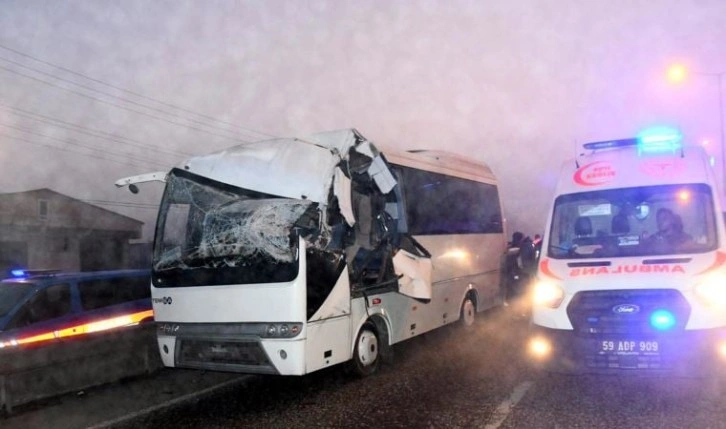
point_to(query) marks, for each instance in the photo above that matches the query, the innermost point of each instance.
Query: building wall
(51, 249)
(71, 235)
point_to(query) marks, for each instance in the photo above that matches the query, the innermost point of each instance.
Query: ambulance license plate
(649, 347)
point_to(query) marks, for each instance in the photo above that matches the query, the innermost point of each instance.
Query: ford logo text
(626, 309)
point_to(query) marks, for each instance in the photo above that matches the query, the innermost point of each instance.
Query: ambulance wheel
(468, 312)
(366, 356)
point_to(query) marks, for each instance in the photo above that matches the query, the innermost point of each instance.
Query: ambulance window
(627, 222)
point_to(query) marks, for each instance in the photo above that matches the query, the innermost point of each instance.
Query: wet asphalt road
(447, 378)
(451, 378)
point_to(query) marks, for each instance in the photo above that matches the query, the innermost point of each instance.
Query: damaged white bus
(287, 256)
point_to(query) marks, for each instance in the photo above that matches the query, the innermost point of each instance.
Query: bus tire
(468, 312)
(366, 353)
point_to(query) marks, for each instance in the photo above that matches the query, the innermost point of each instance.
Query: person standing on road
(521, 261)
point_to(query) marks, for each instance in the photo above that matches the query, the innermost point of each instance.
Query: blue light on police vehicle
(17, 273)
(662, 320)
(659, 140)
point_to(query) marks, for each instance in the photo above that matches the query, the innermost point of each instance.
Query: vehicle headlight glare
(712, 290)
(547, 294)
(721, 348)
(540, 348)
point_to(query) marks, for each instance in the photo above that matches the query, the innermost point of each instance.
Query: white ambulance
(632, 274)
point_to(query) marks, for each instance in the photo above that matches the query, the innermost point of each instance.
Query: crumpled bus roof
(272, 166)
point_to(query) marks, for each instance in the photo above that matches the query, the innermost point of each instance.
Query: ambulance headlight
(721, 349)
(547, 294)
(539, 348)
(711, 290)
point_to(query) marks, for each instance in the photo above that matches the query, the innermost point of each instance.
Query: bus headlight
(711, 290)
(281, 330)
(547, 294)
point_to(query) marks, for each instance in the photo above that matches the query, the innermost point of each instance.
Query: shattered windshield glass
(642, 221)
(205, 225)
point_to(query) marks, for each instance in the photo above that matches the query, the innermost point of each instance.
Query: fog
(94, 91)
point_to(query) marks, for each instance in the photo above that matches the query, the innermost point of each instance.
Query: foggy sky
(518, 84)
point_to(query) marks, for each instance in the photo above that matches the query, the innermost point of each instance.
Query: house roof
(22, 209)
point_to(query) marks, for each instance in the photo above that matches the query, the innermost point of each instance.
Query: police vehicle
(36, 307)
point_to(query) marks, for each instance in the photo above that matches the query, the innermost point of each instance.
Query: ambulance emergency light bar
(651, 140)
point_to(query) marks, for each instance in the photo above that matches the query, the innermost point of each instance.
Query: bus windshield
(641, 221)
(210, 233)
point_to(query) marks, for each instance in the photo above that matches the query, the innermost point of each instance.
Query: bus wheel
(468, 312)
(365, 354)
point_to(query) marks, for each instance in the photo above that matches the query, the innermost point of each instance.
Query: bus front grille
(223, 355)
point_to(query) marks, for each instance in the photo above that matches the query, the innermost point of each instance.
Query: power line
(75, 73)
(73, 143)
(123, 204)
(136, 94)
(72, 151)
(126, 100)
(90, 131)
(120, 106)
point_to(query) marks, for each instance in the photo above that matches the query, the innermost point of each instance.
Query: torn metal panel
(366, 148)
(415, 275)
(341, 189)
(382, 175)
(340, 141)
(244, 208)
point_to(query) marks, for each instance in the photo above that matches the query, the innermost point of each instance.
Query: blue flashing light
(18, 273)
(659, 140)
(662, 320)
(610, 144)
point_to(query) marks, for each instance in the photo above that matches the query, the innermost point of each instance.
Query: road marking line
(168, 403)
(503, 410)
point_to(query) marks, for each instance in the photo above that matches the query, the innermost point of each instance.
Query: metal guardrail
(61, 366)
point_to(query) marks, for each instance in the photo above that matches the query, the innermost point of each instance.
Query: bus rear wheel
(366, 356)
(468, 312)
